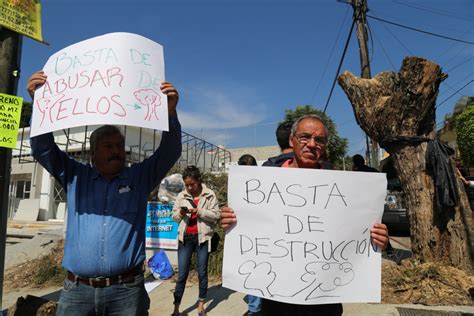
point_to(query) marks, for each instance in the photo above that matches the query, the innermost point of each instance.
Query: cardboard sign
(23, 17)
(10, 114)
(109, 79)
(303, 235)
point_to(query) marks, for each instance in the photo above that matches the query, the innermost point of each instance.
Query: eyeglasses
(304, 139)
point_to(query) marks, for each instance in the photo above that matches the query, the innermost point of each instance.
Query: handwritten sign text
(303, 236)
(110, 79)
(10, 114)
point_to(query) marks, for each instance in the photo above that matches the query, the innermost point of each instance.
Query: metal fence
(140, 143)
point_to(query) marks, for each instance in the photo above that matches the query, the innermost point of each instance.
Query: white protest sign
(110, 79)
(303, 235)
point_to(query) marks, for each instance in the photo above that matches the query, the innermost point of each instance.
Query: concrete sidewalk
(221, 301)
(225, 302)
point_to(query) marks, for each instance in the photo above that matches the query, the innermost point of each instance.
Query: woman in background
(196, 211)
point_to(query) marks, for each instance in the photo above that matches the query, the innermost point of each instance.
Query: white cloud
(219, 138)
(213, 109)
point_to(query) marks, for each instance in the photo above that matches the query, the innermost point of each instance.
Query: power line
(437, 106)
(372, 50)
(385, 52)
(457, 54)
(454, 67)
(454, 84)
(340, 64)
(346, 122)
(329, 57)
(451, 88)
(421, 31)
(397, 39)
(431, 10)
(468, 31)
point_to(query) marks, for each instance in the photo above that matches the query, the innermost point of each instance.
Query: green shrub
(464, 135)
(48, 272)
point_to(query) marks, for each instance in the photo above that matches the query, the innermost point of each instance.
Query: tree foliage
(465, 134)
(217, 182)
(459, 107)
(337, 145)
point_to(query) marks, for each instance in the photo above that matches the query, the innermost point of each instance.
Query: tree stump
(398, 111)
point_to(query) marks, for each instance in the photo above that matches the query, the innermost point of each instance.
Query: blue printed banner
(161, 229)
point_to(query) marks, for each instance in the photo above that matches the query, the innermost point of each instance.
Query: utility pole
(360, 9)
(10, 53)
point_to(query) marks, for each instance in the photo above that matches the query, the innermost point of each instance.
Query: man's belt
(106, 281)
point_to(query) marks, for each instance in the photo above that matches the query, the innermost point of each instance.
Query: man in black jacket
(359, 164)
(283, 132)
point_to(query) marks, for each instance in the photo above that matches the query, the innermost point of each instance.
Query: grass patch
(40, 272)
(48, 272)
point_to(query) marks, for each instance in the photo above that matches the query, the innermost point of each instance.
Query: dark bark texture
(398, 111)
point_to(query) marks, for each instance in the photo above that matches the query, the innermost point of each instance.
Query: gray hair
(308, 116)
(101, 132)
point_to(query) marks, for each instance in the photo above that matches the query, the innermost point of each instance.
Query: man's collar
(96, 174)
(290, 163)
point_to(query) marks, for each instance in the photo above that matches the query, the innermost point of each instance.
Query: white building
(28, 180)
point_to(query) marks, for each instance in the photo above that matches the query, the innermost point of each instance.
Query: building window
(23, 189)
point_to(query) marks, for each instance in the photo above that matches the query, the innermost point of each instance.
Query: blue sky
(239, 64)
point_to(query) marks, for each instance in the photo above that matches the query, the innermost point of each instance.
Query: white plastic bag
(170, 187)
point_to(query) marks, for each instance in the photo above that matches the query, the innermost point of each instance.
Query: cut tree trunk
(398, 111)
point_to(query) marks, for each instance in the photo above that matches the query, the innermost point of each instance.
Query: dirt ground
(408, 282)
(37, 273)
(411, 282)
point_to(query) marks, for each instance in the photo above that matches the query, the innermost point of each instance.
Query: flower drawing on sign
(46, 105)
(339, 274)
(151, 99)
(256, 275)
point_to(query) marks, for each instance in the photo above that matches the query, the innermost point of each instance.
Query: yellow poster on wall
(10, 114)
(22, 16)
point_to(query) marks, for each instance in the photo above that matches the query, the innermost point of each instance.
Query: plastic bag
(160, 266)
(170, 187)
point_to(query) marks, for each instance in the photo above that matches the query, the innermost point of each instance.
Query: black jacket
(277, 161)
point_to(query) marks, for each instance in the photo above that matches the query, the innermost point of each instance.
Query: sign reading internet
(161, 230)
(109, 79)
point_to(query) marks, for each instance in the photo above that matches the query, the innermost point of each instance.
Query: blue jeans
(185, 252)
(254, 303)
(119, 300)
